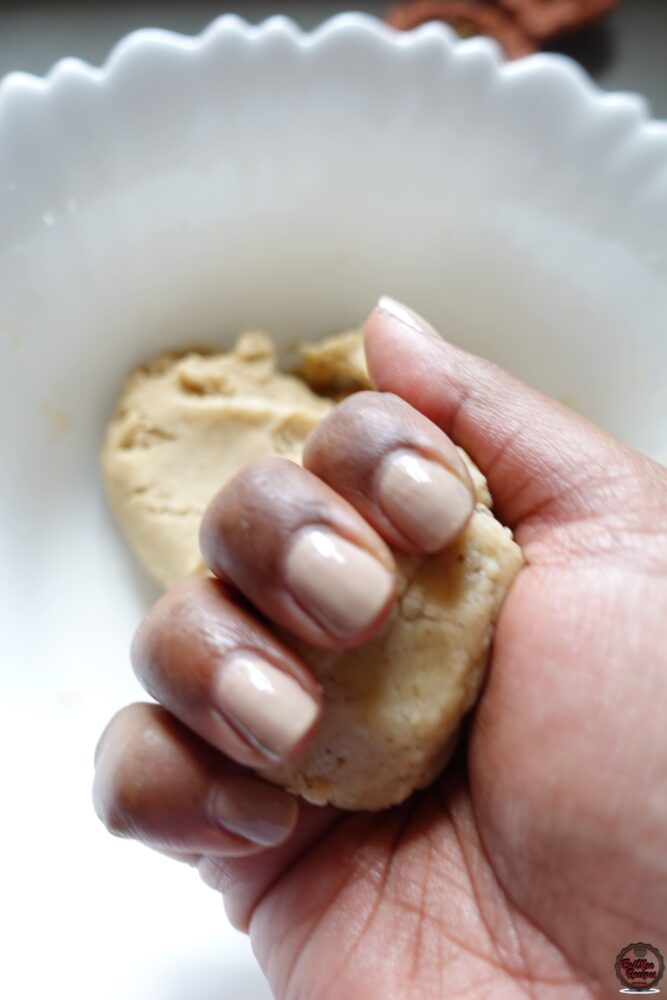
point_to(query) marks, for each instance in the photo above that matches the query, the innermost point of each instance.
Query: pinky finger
(158, 783)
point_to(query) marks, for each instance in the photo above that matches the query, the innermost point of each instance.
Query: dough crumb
(335, 366)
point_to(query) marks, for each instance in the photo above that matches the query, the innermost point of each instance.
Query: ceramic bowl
(259, 176)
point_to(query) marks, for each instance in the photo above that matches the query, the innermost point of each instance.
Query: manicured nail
(253, 809)
(423, 500)
(339, 584)
(406, 316)
(269, 707)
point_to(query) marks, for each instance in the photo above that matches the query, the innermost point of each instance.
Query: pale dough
(394, 705)
(336, 365)
(183, 427)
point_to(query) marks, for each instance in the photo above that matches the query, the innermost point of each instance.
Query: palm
(516, 872)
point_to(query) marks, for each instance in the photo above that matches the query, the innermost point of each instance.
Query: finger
(158, 783)
(399, 470)
(225, 675)
(542, 460)
(244, 881)
(300, 553)
(185, 857)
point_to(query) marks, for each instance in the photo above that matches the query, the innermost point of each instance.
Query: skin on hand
(540, 853)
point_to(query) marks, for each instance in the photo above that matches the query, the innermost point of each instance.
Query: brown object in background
(467, 18)
(546, 20)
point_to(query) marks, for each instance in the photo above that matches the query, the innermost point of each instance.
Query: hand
(541, 852)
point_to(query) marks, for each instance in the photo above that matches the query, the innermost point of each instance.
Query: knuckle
(349, 412)
(358, 401)
(256, 476)
(168, 614)
(241, 500)
(355, 436)
(374, 416)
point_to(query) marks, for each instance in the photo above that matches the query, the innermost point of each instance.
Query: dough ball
(392, 708)
(394, 705)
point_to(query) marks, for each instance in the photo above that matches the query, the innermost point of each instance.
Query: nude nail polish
(341, 585)
(253, 809)
(425, 502)
(406, 316)
(270, 708)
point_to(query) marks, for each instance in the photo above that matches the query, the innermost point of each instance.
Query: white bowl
(261, 176)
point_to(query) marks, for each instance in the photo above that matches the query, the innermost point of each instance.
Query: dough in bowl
(392, 708)
(184, 425)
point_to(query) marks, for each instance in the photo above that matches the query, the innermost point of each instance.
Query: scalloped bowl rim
(527, 67)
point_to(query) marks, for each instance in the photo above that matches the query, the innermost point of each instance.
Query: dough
(335, 366)
(393, 706)
(184, 425)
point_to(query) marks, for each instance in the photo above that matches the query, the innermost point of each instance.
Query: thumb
(544, 463)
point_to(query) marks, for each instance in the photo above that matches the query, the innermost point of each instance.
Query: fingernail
(423, 500)
(269, 707)
(339, 584)
(406, 316)
(254, 809)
